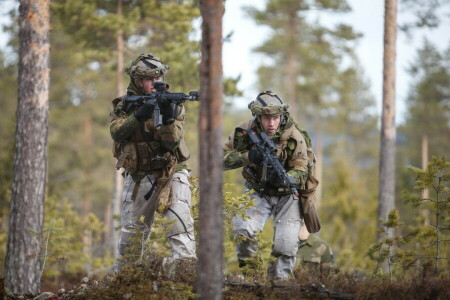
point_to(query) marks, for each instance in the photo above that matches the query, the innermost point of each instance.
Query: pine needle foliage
(435, 232)
(424, 245)
(389, 250)
(62, 241)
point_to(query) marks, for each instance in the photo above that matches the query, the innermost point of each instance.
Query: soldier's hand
(169, 112)
(144, 112)
(274, 179)
(255, 156)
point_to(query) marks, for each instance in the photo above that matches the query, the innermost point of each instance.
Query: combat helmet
(146, 65)
(268, 103)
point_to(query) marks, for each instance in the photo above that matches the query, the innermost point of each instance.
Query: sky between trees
(366, 17)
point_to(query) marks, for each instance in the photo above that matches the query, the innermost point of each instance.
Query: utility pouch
(145, 156)
(126, 156)
(307, 206)
(183, 151)
(164, 187)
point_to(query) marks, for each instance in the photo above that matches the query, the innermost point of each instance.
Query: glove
(144, 112)
(274, 179)
(169, 112)
(255, 156)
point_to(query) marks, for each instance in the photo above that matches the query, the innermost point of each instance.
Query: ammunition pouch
(126, 156)
(140, 157)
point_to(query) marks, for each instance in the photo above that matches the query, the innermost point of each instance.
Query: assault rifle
(270, 160)
(160, 97)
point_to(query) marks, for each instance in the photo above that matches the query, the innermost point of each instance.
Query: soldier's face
(270, 123)
(147, 84)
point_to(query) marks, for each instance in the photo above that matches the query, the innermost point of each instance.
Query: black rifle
(160, 97)
(270, 160)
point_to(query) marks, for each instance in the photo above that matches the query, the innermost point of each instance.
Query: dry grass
(150, 281)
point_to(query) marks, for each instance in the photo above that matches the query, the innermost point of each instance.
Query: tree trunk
(120, 90)
(292, 67)
(318, 150)
(425, 193)
(386, 198)
(22, 263)
(210, 254)
(86, 203)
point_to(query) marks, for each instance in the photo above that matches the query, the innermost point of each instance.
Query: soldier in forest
(271, 116)
(154, 159)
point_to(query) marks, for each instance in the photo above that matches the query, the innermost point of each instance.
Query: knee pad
(285, 247)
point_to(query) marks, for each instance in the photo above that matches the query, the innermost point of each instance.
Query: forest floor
(150, 281)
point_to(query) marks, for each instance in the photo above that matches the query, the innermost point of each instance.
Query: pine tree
(386, 187)
(210, 254)
(22, 265)
(435, 178)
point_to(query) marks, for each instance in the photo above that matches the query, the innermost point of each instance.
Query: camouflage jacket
(291, 150)
(140, 148)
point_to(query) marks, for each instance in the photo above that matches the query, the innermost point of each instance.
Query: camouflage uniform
(155, 164)
(270, 200)
(314, 252)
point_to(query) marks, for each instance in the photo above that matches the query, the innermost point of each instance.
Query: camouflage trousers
(138, 215)
(286, 224)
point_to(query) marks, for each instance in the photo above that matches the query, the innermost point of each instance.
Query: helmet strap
(148, 64)
(261, 100)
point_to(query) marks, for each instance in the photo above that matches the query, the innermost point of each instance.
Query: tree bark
(210, 254)
(425, 193)
(22, 263)
(386, 197)
(86, 203)
(318, 150)
(292, 67)
(120, 90)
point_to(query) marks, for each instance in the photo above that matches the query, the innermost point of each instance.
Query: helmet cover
(147, 65)
(268, 103)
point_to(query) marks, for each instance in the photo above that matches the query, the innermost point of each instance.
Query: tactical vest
(142, 152)
(252, 173)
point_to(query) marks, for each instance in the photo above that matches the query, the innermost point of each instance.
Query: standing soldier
(154, 159)
(270, 115)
